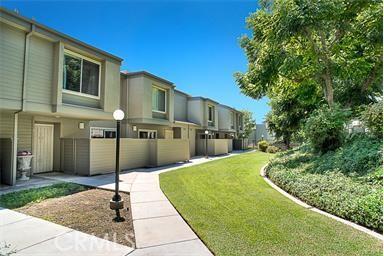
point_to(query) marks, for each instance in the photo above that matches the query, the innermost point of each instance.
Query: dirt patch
(88, 212)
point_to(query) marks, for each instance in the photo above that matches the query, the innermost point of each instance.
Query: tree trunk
(328, 89)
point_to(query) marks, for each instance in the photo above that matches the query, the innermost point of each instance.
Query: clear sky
(194, 44)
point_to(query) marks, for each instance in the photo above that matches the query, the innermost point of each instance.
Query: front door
(43, 148)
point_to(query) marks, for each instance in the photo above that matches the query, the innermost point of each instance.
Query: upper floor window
(211, 114)
(159, 99)
(232, 120)
(81, 75)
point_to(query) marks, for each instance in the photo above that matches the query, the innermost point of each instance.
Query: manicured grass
(233, 210)
(35, 195)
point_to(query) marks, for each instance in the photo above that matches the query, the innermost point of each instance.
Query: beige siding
(181, 107)
(80, 100)
(6, 125)
(40, 71)
(111, 90)
(215, 147)
(133, 153)
(170, 151)
(230, 145)
(75, 156)
(67, 155)
(11, 61)
(25, 133)
(82, 147)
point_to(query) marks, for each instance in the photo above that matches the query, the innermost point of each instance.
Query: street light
(206, 143)
(117, 203)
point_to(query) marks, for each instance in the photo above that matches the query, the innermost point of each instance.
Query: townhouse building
(57, 96)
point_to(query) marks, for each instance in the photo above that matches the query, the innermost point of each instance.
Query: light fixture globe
(118, 114)
(206, 132)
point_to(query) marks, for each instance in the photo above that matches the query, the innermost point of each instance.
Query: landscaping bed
(346, 182)
(77, 207)
(235, 212)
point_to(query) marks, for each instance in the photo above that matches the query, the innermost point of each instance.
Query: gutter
(22, 109)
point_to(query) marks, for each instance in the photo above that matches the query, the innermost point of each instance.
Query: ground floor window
(103, 133)
(147, 134)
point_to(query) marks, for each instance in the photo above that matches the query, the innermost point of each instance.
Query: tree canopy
(335, 45)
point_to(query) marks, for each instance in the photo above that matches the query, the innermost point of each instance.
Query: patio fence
(97, 156)
(215, 146)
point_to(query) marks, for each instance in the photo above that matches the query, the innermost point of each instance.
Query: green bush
(263, 145)
(325, 128)
(347, 182)
(272, 149)
(372, 117)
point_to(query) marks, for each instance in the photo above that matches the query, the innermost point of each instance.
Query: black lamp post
(117, 203)
(206, 143)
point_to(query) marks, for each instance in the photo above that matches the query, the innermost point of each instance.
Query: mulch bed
(88, 212)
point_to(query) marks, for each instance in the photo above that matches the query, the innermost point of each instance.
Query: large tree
(334, 44)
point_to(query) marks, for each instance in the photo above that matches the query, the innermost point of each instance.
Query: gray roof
(145, 73)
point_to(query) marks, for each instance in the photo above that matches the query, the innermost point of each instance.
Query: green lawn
(235, 212)
(20, 198)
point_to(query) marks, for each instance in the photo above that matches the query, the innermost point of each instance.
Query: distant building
(260, 133)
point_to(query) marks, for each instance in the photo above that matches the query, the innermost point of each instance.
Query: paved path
(31, 236)
(159, 229)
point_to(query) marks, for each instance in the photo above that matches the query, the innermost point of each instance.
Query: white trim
(146, 130)
(213, 113)
(82, 57)
(165, 100)
(102, 128)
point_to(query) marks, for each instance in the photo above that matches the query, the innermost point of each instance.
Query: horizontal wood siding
(6, 125)
(215, 146)
(172, 151)
(68, 156)
(40, 71)
(82, 147)
(134, 153)
(11, 61)
(24, 140)
(80, 100)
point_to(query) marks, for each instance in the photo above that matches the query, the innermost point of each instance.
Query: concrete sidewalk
(26, 235)
(159, 229)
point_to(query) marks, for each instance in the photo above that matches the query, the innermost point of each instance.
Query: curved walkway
(159, 228)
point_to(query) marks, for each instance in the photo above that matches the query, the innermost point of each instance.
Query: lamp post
(117, 203)
(206, 143)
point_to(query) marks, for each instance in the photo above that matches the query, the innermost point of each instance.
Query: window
(81, 75)
(158, 99)
(147, 134)
(232, 120)
(103, 133)
(211, 115)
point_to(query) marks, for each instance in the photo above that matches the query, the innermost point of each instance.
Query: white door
(43, 148)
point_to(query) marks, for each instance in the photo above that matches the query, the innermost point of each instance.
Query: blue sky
(194, 44)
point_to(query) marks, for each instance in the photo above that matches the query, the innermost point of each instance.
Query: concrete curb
(314, 209)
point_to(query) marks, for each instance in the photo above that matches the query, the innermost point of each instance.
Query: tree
(334, 44)
(290, 106)
(249, 122)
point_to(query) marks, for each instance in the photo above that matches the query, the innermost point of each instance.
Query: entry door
(43, 148)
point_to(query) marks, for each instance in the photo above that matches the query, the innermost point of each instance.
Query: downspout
(23, 93)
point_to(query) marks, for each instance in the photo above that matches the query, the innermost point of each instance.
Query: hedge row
(347, 183)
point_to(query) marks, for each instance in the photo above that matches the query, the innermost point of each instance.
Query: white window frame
(76, 55)
(149, 131)
(165, 100)
(101, 128)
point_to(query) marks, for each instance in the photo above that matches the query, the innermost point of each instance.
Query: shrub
(347, 182)
(325, 130)
(372, 117)
(263, 145)
(272, 149)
